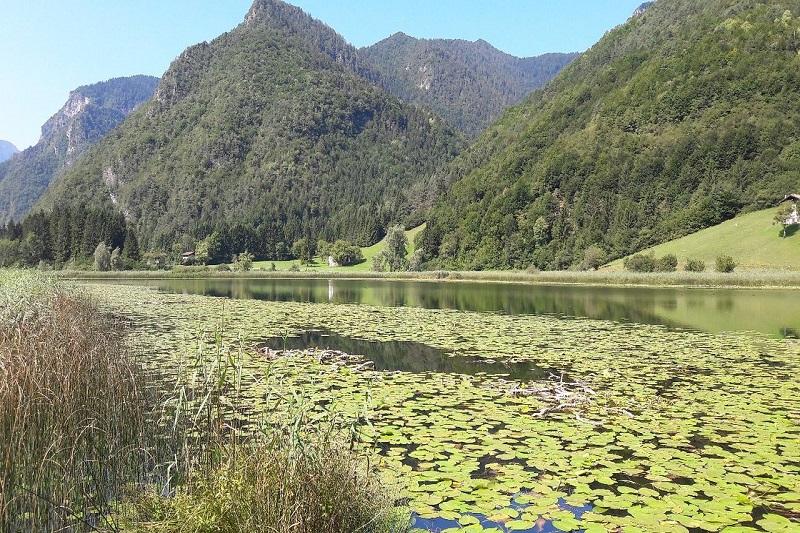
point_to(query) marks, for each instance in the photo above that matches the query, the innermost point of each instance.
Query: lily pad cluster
(686, 431)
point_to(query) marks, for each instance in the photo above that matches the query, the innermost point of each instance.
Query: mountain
(641, 9)
(268, 134)
(7, 150)
(90, 113)
(675, 121)
(470, 84)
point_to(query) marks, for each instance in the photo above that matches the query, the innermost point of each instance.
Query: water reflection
(406, 356)
(773, 312)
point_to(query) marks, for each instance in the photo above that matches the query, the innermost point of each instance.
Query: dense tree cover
(67, 236)
(467, 83)
(90, 113)
(269, 134)
(673, 122)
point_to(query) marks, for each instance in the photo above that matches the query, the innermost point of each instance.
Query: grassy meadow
(322, 266)
(754, 240)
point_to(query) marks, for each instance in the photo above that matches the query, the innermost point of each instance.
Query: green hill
(675, 121)
(470, 84)
(270, 133)
(754, 241)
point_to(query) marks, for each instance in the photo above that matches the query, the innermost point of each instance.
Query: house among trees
(793, 217)
(187, 257)
(788, 218)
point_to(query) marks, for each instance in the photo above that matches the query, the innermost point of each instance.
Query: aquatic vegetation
(72, 409)
(286, 469)
(682, 430)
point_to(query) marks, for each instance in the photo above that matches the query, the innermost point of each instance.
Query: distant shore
(778, 279)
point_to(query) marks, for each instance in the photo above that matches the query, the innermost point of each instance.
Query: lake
(498, 408)
(774, 312)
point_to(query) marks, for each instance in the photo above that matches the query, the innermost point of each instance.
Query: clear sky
(50, 47)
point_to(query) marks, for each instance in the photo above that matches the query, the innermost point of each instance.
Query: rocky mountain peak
(641, 9)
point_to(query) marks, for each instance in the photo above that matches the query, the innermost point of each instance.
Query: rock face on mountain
(90, 113)
(641, 9)
(7, 150)
(673, 122)
(273, 132)
(470, 84)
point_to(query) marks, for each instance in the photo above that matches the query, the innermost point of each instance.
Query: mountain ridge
(469, 83)
(272, 131)
(90, 112)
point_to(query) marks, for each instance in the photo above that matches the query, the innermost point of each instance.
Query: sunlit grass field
(320, 265)
(754, 241)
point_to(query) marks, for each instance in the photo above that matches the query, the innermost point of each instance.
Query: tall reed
(72, 409)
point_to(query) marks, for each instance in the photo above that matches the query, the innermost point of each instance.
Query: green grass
(290, 470)
(322, 266)
(753, 240)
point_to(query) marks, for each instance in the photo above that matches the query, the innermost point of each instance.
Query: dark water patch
(542, 525)
(406, 356)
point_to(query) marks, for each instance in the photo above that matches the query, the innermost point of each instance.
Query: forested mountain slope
(674, 121)
(90, 113)
(268, 134)
(468, 83)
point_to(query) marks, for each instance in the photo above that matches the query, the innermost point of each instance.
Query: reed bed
(605, 277)
(72, 409)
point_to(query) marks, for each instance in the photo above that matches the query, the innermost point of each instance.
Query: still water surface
(772, 312)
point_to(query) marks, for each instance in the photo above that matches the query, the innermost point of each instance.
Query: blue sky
(49, 47)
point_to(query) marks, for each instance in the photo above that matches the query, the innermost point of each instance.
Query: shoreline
(767, 279)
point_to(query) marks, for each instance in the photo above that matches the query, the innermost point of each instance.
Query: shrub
(243, 262)
(593, 258)
(102, 257)
(695, 265)
(318, 486)
(641, 263)
(667, 263)
(345, 254)
(725, 263)
(417, 260)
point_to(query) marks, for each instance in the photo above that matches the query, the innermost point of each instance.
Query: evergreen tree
(130, 249)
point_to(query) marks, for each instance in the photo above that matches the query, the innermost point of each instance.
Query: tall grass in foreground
(72, 414)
